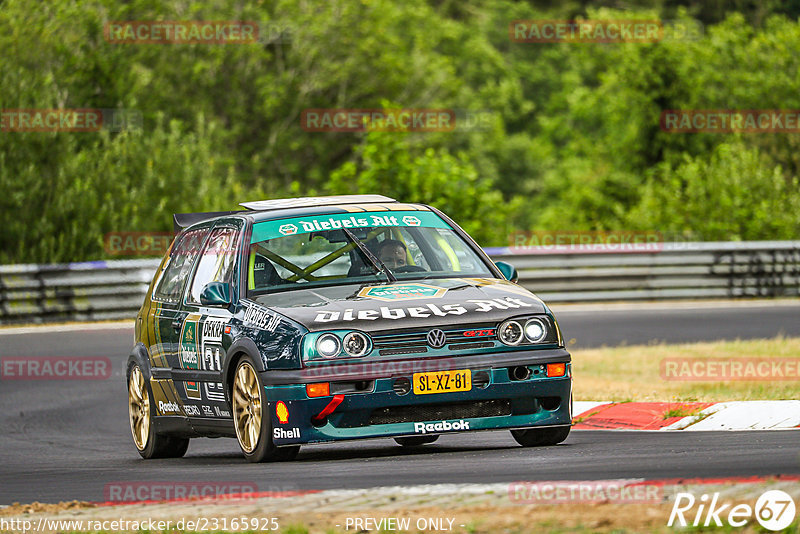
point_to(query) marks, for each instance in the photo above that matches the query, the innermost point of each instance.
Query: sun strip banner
(318, 223)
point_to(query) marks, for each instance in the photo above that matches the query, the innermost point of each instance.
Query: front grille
(393, 343)
(436, 412)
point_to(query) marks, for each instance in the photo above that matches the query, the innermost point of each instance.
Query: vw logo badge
(436, 338)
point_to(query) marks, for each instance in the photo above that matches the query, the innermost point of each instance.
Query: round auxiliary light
(356, 344)
(535, 330)
(328, 346)
(510, 333)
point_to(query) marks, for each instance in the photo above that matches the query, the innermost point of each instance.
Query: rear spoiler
(183, 220)
(304, 202)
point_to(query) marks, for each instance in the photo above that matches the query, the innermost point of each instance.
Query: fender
(247, 346)
(140, 356)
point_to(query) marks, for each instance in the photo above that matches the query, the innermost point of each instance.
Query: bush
(132, 181)
(736, 194)
(384, 164)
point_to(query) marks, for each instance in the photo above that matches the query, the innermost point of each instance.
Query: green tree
(127, 182)
(736, 194)
(384, 164)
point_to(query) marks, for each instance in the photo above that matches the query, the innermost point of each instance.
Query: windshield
(350, 248)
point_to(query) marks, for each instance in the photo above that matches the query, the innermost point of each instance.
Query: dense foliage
(572, 139)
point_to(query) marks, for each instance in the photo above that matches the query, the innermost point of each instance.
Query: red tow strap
(329, 409)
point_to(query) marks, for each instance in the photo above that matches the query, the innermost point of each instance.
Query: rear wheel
(253, 428)
(140, 414)
(540, 437)
(415, 441)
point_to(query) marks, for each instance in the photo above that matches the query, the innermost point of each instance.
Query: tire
(415, 441)
(541, 437)
(252, 424)
(148, 443)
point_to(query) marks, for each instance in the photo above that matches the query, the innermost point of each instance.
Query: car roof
(266, 210)
(285, 208)
(285, 203)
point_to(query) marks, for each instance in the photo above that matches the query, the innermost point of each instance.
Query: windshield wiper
(376, 262)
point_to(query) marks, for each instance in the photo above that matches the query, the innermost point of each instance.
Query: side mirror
(216, 294)
(508, 271)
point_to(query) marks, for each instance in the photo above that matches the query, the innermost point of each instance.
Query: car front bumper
(380, 411)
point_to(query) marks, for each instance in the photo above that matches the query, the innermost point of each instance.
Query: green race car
(322, 319)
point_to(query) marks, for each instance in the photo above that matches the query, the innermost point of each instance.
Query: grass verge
(634, 373)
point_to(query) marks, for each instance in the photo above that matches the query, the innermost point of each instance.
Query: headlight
(335, 344)
(328, 346)
(510, 333)
(356, 344)
(535, 330)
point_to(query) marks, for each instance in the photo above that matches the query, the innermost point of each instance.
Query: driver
(392, 253)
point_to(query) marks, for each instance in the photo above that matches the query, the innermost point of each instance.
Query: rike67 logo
(774, 510)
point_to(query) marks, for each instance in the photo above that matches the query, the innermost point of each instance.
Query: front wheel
(541, 437)
(251, 420)
(140, 414)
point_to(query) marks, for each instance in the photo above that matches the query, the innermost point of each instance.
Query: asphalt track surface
(70, 440)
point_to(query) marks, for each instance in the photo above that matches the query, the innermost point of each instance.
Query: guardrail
(90, 291)
(761, 269)
(105, 290)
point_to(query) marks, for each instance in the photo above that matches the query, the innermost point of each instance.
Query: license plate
(442, 382)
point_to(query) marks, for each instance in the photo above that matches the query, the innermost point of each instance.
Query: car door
(204, 328)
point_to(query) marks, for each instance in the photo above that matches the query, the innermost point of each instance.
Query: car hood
(404, 304)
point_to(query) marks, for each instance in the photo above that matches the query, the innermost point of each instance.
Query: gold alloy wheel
(247, 407)
(138, 408)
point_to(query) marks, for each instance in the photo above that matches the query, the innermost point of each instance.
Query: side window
(453, 253)
(179, 265)
(217, 262)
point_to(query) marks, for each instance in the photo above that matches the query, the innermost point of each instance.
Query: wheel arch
(140, 356)
(238, 349)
